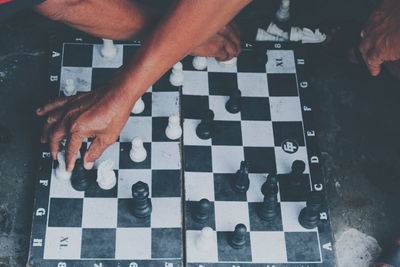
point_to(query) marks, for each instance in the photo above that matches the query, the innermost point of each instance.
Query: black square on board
(95, 191)
(77, 55)
(222, 83)
(159, 126)
(294, 187)
(302, 246)
(195, 107)
(65, 212)
(228, 253)
(191, 224)
(260, 159)
(166, 243)
(227, 133)
(252, 61)
(126, 218)
(164, 85)
(255, 109)
(258, 224)
(197, 158)
(166, 183)
(129, 51)
(146, 97)
(282, 84)
(223, 188)
(288, 131)
(188, 64)
(98, 243)
(125, 161)
(101, 77)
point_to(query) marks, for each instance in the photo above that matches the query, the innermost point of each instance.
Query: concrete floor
(358, 133)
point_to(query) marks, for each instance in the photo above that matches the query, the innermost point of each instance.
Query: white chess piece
(199, 63)
(275, 30)
(229, 63)
(205, 238)
(138, 153)
(61, 172)
(105, 175)
(138, 107)
(306, 35)
(263, 35)
(70, 88)
(176, 77)
(283, 14)
(174, 129)
(109, 50)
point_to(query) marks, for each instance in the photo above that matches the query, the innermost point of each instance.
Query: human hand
(224, 45)
(100, 114)
(381, 36)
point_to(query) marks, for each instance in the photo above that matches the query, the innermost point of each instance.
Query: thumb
(96, 149)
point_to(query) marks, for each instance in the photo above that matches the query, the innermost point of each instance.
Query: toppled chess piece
(309, 216)
(229, 63)
(174, 129)
(138, 107)
(263, 35)
(273, 29)
(204, 129)
(199, 63)
(201, 211)
(61, 172)
(80, 178)
(234, 105)
(106, 177)
(306, 36)
(237, 239)
(109, 50)
(241, 181)
(282, 14)
(205, 238)
(176, 77)
(138, 153)
(70, 88)
(141, 203)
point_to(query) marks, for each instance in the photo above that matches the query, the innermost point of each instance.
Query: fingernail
(88, 165)
(39, 109)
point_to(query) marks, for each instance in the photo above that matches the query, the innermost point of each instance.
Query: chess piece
(70, 88)
(298, 168)
(61, 172)
(233, 105)
(204, 129)
(141, 203)
(109, 50)
(306, 35)
(268, 209)
(241, 180)
(138, 107)
(309, 216)
(138, 153)
(80, 178)
(229, 63)
(174, 129)
(106, 177)
(237, 239)
(201, 211)
(270, 185)
(199, 63)
(273, 29)
(205, 238)
(176, 77)
(282, 14)
(263, 35)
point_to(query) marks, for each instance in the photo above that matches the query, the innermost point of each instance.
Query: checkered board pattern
(96, 227)
(272, 130)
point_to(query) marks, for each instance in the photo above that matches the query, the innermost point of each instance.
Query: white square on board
(214, 66)
(280, 61)
(165, 104)
(257, 133)
(111, 153)
(63, 189)
(126, 178)
(81, 76)
(226, 159)
(285, 109)
(208, 254)
(253, 84)
(133, 243)
(199, 185)
(100, 213)
(290, 217)
(70, 246)
(166, 212)
(137, 126)
(195, 83)
(268, 247)
(217, 104)
(101, 62)
(230, 213)
(165, 155)
(284, 160)
(189, 133)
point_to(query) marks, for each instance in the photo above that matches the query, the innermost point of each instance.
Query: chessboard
(273, 129)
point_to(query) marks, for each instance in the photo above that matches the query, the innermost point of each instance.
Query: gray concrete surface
(358, 132)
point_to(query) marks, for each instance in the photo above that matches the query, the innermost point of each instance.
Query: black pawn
(298, 168)
(204, 129)
(234, 105)
(270, 184)
(141, 206)
(309, 216)
(80, 178)
(268, 209)
(241, 180)
(237, 239)
(202, 211)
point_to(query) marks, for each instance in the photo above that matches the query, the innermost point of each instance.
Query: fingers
(56, 136)
(94, 152)
(372, 57)
(71, 151)
(374, 65)
(232, 37)
(52, 106)
(50, 122)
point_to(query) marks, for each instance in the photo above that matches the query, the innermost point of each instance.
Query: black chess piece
(204, 129)
(141, 204)
(309, 216)
(201, 211)
(298, 168)
(80, 178)
(270, 184)
(234, 105)
(241, 180)
(237, 239)
(268, 209)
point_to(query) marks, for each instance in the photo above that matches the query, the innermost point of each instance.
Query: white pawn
(229, 63)
(109, 50)
(61, 172)
(70, 88)
(199, 63)
(174, 129)
(138, 153)
(176, 77)
(205, 239)
(283, 14)
(138, 107)
(105, 175)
